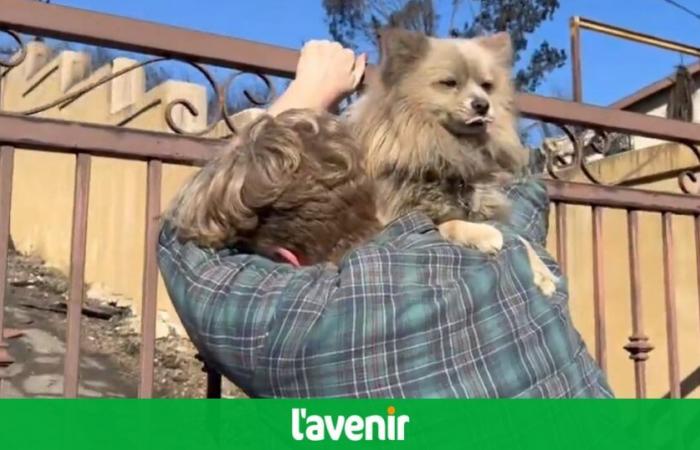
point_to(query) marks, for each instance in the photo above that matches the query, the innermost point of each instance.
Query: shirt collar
(411, 223)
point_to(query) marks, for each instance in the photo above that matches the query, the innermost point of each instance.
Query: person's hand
(329, 70)
(326, 73)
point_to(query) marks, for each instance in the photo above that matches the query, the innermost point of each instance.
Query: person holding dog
(406, 315)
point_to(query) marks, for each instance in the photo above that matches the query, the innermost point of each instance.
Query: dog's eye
(449, 82)
(487, 86)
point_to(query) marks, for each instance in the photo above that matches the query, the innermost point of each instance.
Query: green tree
(355, 22)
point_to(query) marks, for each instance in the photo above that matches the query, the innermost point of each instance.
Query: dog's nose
(480, 106)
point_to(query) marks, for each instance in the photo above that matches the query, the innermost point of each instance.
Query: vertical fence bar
(670, 299)
(697, 252)
(213, 383)
(560, 210)
(81, 196)
(7, 158)
(150, 279)
(575, 32)
(638, 347)
(599, 287)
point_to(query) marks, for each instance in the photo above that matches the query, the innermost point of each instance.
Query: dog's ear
(399, 50)
(499, 44)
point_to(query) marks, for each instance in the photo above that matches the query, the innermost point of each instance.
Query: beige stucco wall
(630, 166)
(43, 196)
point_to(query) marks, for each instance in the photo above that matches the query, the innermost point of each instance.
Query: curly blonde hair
(295, 180)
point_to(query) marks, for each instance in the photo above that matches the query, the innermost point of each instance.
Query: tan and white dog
(439, 128)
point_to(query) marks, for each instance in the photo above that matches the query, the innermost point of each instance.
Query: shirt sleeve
(226, 300)
(529, 209)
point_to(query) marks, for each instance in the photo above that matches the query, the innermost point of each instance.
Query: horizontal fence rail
(621, 197)
(85, 141)
(161, 40)
(69, 137)
(141, 36)
(97, 140)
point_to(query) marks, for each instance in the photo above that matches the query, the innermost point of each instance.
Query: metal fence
(20, 131)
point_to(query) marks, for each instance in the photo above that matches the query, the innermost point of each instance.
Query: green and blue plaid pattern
(407, 315)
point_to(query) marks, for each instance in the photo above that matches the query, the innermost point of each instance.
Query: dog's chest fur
(443, 193)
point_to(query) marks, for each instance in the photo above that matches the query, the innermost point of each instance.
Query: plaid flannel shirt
(406, 315)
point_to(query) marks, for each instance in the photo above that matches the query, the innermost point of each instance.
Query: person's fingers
(359, 69)
(349, 56)
(304, 53)
(309, 44)
(310, 55)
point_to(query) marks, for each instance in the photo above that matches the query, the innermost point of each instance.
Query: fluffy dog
(439, 128)
(292, 187)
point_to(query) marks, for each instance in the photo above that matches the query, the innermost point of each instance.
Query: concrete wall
(42, 197)
(633, 166)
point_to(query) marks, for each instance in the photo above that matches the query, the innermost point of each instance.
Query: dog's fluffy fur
(439, 127)
(413, 121)
(294, 181)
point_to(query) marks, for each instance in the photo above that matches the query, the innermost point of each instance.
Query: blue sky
(612, 68)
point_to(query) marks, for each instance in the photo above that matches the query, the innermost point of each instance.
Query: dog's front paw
(543, 278)
(546, 281)
(481, 236)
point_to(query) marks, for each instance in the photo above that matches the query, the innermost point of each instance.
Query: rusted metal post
(7, 156)
(639, 346)
(599, 288)
(636, 36)
(575, 33)
(624, 198)
(697, 251)
(150, 279)
(560, 211)
(214, 378)
(81, 199)
(213, 383)
(670, 300)
(576, 24)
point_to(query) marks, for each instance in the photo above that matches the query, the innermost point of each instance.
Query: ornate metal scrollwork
(221, 92)
(687, 180)
(577, 157)
(583, 144)
(639, 347)
(18, 57)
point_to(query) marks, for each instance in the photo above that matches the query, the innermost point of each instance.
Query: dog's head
(293, 181)
(462, 84)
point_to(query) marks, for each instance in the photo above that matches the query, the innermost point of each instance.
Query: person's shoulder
(529, 189)
(529, 208)
(412, 229)
(410, 246)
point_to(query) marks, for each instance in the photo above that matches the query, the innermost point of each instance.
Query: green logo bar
(349, 424)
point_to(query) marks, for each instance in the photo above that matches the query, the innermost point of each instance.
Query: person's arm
(224, 295)
(530, 209)
(326, 73)
(227, 299)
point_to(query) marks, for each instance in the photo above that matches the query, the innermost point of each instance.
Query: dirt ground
(109, 362)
